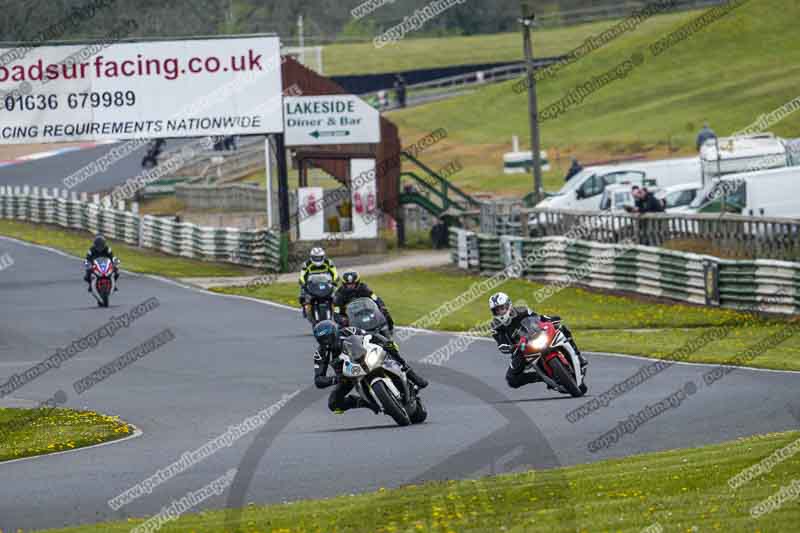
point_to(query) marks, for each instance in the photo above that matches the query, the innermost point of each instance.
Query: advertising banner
(157, 89)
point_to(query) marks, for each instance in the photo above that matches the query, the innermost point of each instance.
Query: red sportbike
(548, 352)
(102, 281)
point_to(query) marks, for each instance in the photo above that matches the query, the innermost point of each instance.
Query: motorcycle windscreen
(319, 285)
(354, 347)
(104, 264)
(529, 328)
(364, 313)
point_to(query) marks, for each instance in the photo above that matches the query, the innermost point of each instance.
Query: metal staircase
(439, 197)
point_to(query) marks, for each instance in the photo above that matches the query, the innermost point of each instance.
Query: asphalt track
(50, 171)
(233, 357)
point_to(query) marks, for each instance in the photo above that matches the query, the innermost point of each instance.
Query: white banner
(364, 195)
(310, 202)
(333, 119)
(188, 88)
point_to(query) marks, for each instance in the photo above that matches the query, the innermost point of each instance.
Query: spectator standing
(646, 202)
(400, 88)
(575, 168)
(705, 134)
(440, 234)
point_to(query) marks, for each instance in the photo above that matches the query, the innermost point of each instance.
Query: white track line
(416, 330)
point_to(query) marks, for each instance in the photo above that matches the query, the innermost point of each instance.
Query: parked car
(678, 198)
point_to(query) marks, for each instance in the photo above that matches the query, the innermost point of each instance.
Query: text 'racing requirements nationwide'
(178, 88)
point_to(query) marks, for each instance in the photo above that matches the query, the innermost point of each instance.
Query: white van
(718, 157)
(735, 155)
(770, 193)
(584, 190)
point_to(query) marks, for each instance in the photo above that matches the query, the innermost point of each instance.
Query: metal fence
(737, 236)
(686, 277)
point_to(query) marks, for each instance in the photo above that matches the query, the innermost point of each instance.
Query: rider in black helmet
(329, 337)
(330, 346)
(353, 288)
(99, 249)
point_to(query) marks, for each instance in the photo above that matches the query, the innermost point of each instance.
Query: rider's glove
(505, 348)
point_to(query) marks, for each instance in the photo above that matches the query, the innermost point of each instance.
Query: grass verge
(430, 52)
(681, 490)
(30, 432)
(726, 73)
(134, 259)
(600, 322)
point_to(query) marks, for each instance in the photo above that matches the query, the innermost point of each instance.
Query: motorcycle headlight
(374, 358)
(539, 342)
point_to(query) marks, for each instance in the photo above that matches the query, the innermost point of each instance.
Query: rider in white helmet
(317, 263)
(506, 320)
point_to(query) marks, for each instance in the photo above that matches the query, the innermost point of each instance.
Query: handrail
(446, 184)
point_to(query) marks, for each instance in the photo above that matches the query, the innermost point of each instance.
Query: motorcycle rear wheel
(390, 404)
(563, 377)
(420, 414)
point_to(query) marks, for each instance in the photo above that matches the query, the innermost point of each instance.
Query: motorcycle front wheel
(565, 378)
(390, 404)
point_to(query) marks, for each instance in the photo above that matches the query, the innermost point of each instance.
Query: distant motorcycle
(380, 380)
(154, 150)
(102, 279)
(320, 289)
(547, 352)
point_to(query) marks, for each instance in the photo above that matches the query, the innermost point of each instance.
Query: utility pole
(301, 39)
(527, 21)
(283, 199)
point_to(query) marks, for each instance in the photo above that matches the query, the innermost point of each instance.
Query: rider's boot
(415, 378)
(412, 376)
(584, 362)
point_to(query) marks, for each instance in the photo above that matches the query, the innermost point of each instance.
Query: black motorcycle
(319, 305)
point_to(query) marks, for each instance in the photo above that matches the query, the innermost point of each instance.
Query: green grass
(410, 296)
(30, 432)
(680, 490)
(134, 259)
(423, 53)
(731, 72)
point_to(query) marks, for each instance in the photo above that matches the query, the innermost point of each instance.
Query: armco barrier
(687, 277)
(255, 248)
